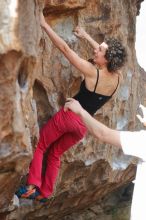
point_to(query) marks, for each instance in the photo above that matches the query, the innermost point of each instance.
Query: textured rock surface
(35, 79)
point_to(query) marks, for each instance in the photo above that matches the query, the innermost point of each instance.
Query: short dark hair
(115, 54)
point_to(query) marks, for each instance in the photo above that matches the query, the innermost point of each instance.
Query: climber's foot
(41, 198)
(26, 192)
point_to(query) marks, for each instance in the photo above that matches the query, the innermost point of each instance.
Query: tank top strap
(96, 80)
(116, 87)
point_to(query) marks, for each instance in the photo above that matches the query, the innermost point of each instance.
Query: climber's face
(99, 54)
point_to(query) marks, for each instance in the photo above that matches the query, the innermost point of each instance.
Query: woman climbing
(65, 129)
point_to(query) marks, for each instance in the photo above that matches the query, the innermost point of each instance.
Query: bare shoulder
(120, 75)
(92, 74)
(107, 82)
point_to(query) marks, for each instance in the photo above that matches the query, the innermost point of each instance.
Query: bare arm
(96, 128)
(82, 65)
(101, 131)
(81, 33)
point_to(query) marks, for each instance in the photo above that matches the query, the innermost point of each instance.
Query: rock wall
(35, 80)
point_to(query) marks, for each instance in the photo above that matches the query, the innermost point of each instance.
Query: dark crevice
(58, 10)
(23, 74)
(44, 109)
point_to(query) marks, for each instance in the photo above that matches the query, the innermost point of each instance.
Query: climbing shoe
(24, 192)
(41, 199)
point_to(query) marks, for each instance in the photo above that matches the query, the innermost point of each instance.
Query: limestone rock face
(35, 80)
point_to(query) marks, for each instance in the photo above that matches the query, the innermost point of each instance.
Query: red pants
(60, 133)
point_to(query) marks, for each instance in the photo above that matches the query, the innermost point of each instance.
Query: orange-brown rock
(35, 80)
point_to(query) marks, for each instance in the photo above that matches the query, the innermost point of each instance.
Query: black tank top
(92, 101)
